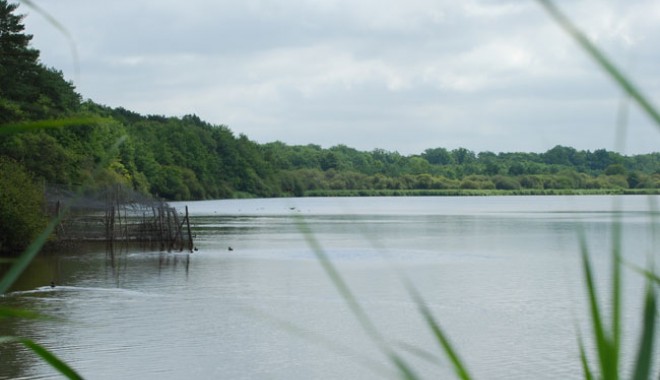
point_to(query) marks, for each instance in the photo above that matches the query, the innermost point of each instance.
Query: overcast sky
(402, 75)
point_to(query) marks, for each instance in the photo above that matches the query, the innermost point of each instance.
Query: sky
(399, 75)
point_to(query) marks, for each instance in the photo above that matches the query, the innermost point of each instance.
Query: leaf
(7, 312)
(62, 29)
(46, 355)
(644, 360)
(51, 359)
(602, 343)
(459, 368)
(28, 255)
(585, 363)
(352, 301)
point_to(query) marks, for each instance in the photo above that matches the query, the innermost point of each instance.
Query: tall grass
(608, 337)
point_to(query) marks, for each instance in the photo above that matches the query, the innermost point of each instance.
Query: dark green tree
(438, 156)
(21, 207)
(28, 90)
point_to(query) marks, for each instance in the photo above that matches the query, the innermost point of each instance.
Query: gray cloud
(394, 74)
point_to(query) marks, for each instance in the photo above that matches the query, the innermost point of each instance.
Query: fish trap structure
(120, 215)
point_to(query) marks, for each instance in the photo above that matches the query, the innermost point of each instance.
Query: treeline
(187, 158)
(304, 169)
(179, 158)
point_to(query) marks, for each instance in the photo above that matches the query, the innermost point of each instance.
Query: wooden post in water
(170, 238)
(190, 239)
(161, 210)
(178, 235)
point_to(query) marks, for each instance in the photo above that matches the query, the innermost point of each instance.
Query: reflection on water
(501, 274)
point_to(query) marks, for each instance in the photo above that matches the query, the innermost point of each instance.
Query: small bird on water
(230, 249)
(52, 284)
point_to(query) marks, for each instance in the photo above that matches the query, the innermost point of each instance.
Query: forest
(51, 138)
(183, 158)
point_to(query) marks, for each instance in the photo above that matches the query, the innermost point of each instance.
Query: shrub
(21, 207)
(506, 183)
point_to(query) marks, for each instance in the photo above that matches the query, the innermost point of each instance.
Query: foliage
(187, 158)
(21, 207)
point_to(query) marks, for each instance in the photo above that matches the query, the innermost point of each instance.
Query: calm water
(501, 274)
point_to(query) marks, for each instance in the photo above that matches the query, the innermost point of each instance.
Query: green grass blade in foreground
(616, 292)
(352, 302)
(449, 351)
(606, 64)
(603, 345)
(375, 366)
(644, 360)
(28, 255)
(585, 363)
(649, 274)
(7, 312)
(420, 353)
(459, 368)
(51, 359)
(46, 355)
(62, 29)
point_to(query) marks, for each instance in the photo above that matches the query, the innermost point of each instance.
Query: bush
(21, 207)
(506, 183)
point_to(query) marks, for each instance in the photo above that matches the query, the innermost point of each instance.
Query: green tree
(17, 62)
(616, 169)
(28, 90)
(438, 156)
(21, 207)
(463, 156)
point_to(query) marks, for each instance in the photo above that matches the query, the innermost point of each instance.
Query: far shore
(475, 192)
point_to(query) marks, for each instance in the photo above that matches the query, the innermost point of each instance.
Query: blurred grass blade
(420, 353)
(339, 283)
(375, 366)
(442, 339)
(62, 29)
(12, 128)
(28, 255)
(51, 359)
(602, 344)
(46, 355)
(644, 360)
(585, 363)
(649, 275)
(616, 293)
(8, 312)
(352, 302)
(404, 368)
(600, 58)
(447, 348)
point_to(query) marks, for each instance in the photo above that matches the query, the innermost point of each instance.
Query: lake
(502, 275)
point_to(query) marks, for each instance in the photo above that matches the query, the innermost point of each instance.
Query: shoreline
(475, 192)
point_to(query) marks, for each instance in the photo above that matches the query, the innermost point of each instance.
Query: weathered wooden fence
(120, 215)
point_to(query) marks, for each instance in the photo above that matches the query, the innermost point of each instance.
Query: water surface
(501, 274)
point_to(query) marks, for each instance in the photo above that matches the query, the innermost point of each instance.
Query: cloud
(394, 74)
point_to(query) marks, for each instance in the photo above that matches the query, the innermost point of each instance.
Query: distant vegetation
(182, 158)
